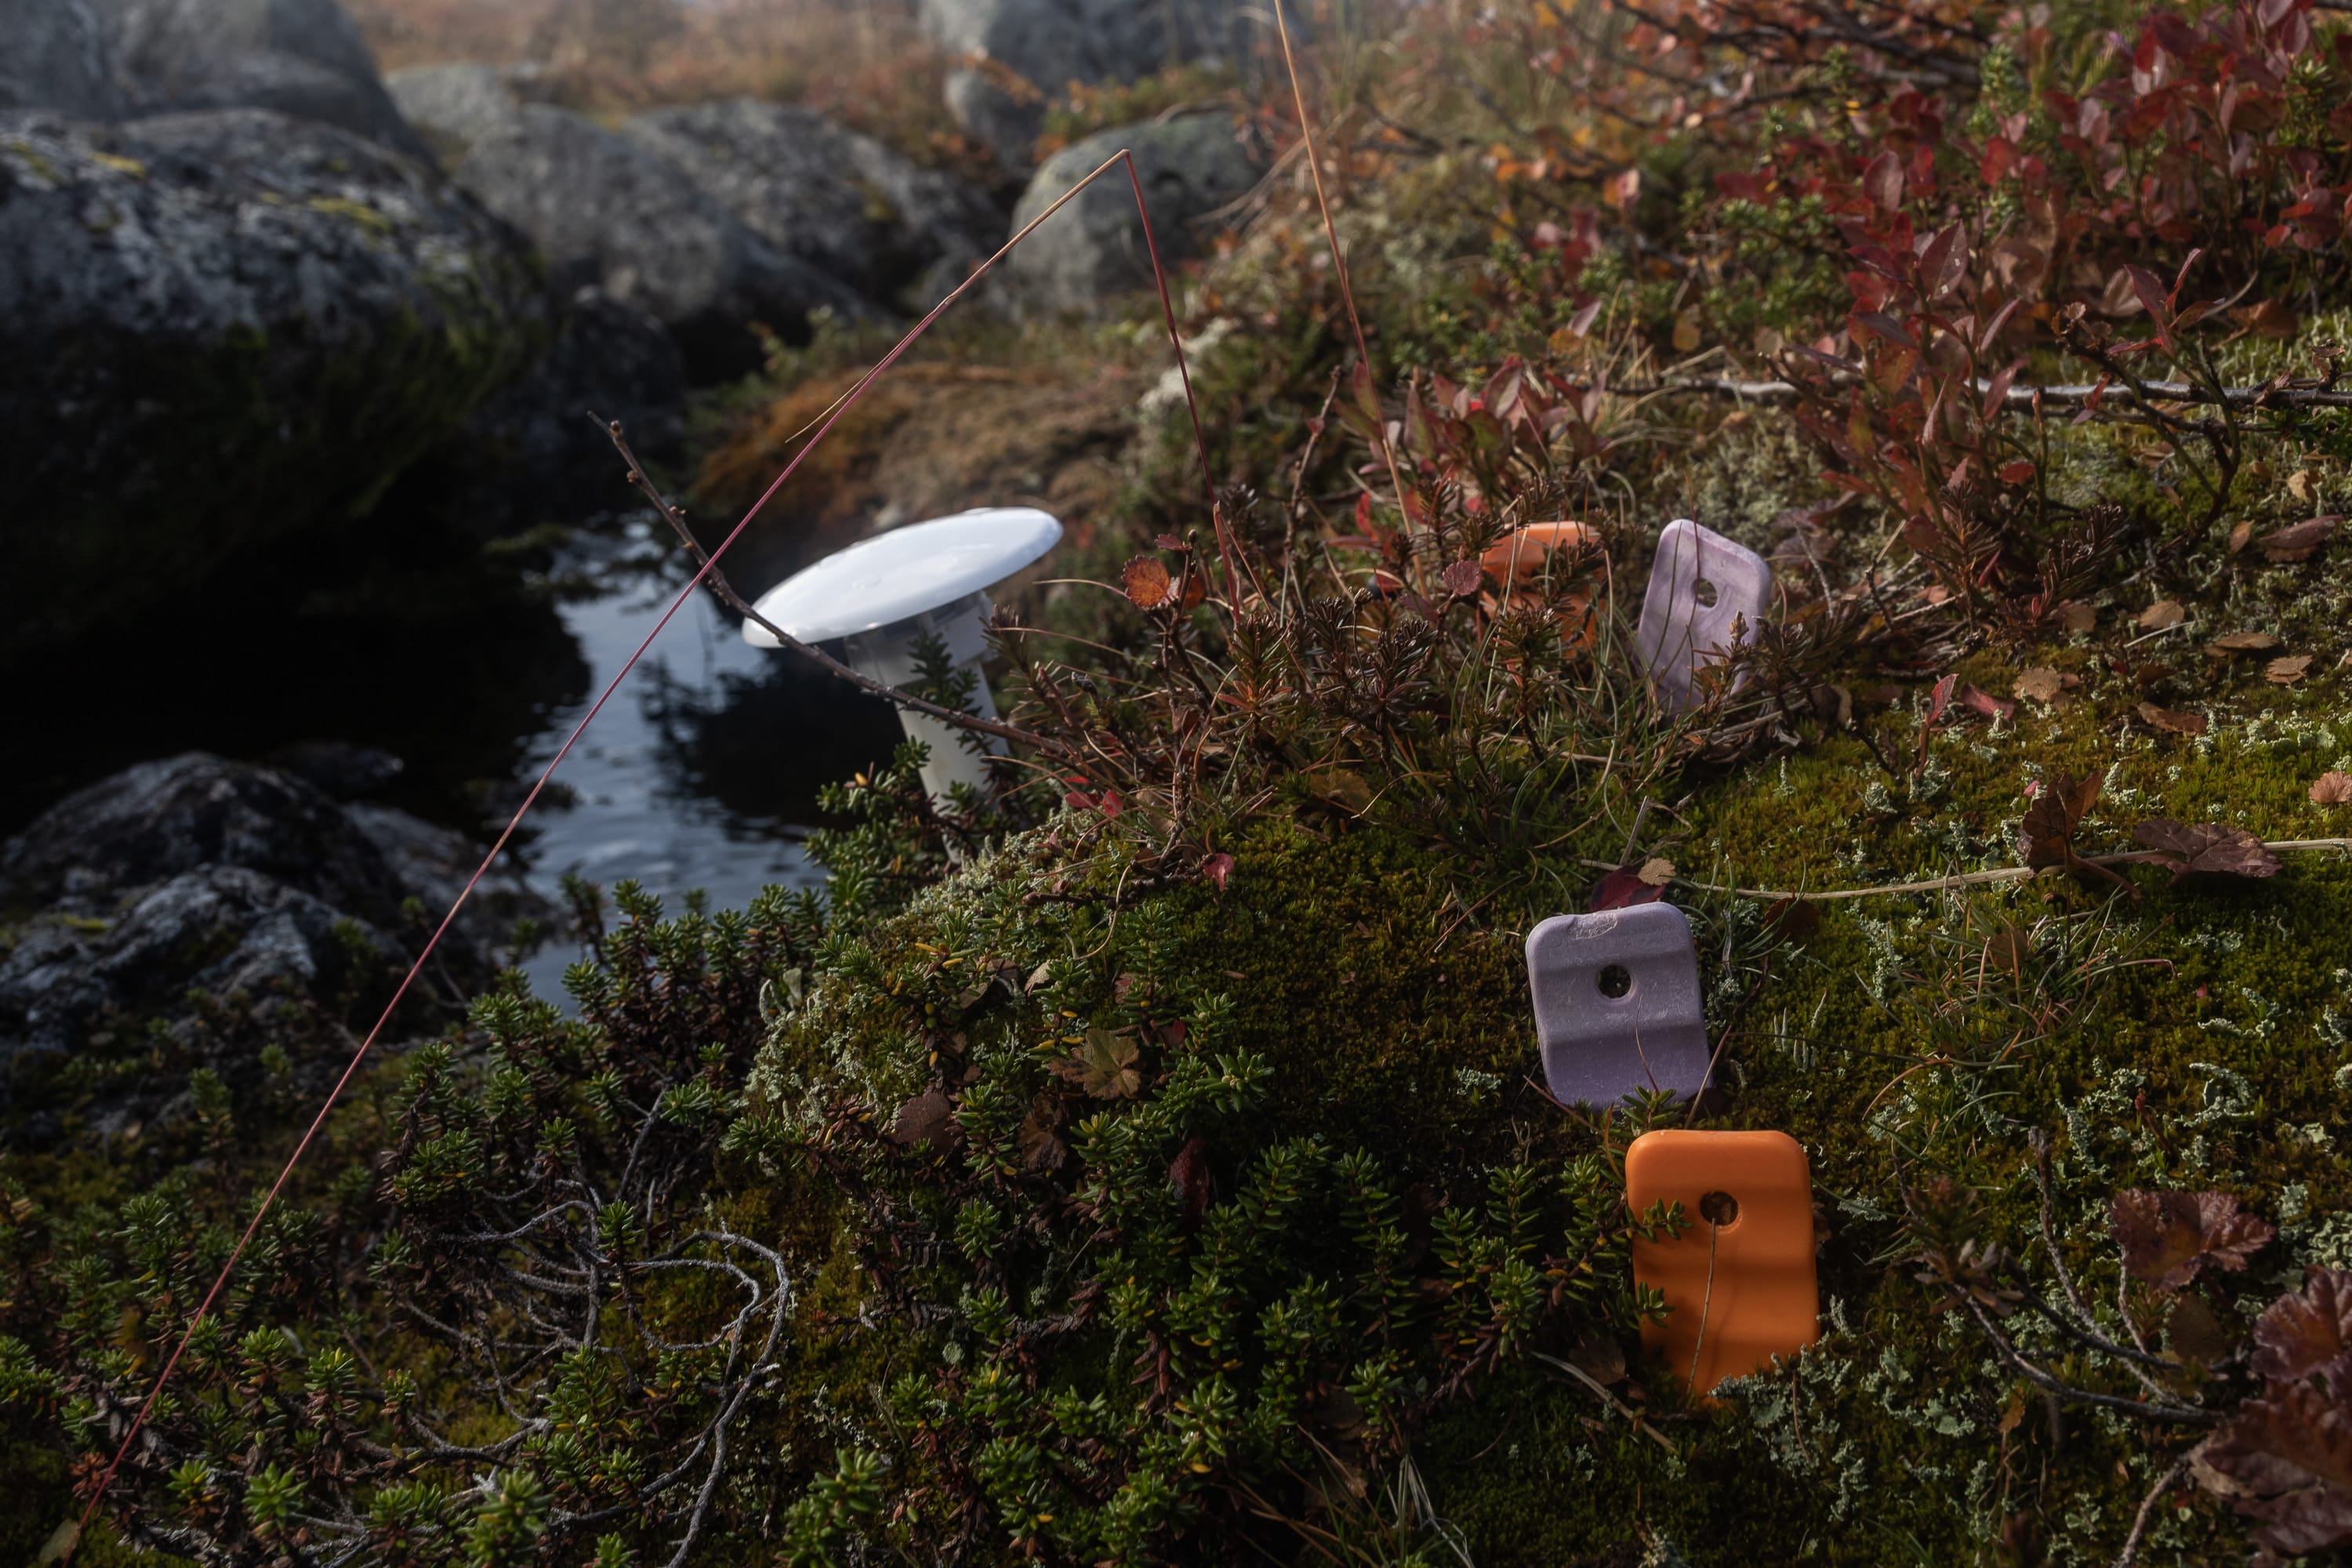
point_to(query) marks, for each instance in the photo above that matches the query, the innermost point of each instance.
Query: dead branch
(675, 517)
(2068, 395)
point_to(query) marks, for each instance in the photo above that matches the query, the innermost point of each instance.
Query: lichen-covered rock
(609, 211)
(1019, 53)
(303, 57)
(217, 330)
(452, 106)
(830, 196)
(1092, 253)
(54, 55)
(198, 872)
(532, 455)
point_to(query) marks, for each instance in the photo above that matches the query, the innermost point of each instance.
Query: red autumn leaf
(1986, 703)
(1882, 182)
(1146, 583)
(1792, 919)
(2299, 542)
(2016, 473)
(2287, 1460)
(1939, 699)
(928, 1118)
(2056, 812)
(2300, 1334)
(1622, 888)
(2169, 1238)
(1187, 1174)
(1196, 588)
(1464, 578)
(1217, 867)
(1042, 1151)
(2209, 847)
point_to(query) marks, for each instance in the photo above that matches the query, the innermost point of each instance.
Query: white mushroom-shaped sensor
(878, 596)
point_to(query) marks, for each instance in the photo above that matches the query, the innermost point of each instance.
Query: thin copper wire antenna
(367, 1045)
(1331, 238)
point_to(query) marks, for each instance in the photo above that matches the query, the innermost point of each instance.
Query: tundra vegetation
(1149, 1163)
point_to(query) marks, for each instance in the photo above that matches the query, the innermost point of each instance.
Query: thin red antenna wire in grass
(1331, 238)
(710, 564)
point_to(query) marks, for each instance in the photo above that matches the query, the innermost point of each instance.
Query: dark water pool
(701, 772)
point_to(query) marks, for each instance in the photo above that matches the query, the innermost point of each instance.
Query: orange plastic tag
(1740, 1279)
(1518, 558)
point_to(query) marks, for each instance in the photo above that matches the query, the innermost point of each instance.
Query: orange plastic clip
(1740, 1279)
(1519, 557)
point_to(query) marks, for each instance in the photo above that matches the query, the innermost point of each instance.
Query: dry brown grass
(864, 62)
(929, 439)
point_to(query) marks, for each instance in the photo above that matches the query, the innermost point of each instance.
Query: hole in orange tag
(1739, 1278)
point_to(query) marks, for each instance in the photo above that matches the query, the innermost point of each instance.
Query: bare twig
(2069, 393)
(2164, 1483)
(1966, 880)
(675, 517)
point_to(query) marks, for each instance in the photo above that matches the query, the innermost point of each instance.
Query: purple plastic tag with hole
(1617, 1005)
(1678, 635)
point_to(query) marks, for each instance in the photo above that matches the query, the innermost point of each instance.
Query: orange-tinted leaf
(2169, 1238)
(2056, 812)
(1105, 1065)
(1196, 588)
(2241, 642)
(1146, 582)
(2272, 318)
(2207, 848)
(2040, 685)
(2171, 722)
(1042, 1149)
(2288, 670)
(2331, 788)
(2299, 542)
(2162, 615)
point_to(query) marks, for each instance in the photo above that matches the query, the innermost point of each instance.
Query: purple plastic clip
(1617, 1005)
(1679, 634)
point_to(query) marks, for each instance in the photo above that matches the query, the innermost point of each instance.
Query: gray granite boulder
(530, 455)
(456, 105)
(1092, 253)
(1015, 54)
(608, 211)
(245, 884)
(54, 55)
(829, 197)
(216, 330)
(303, 58)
